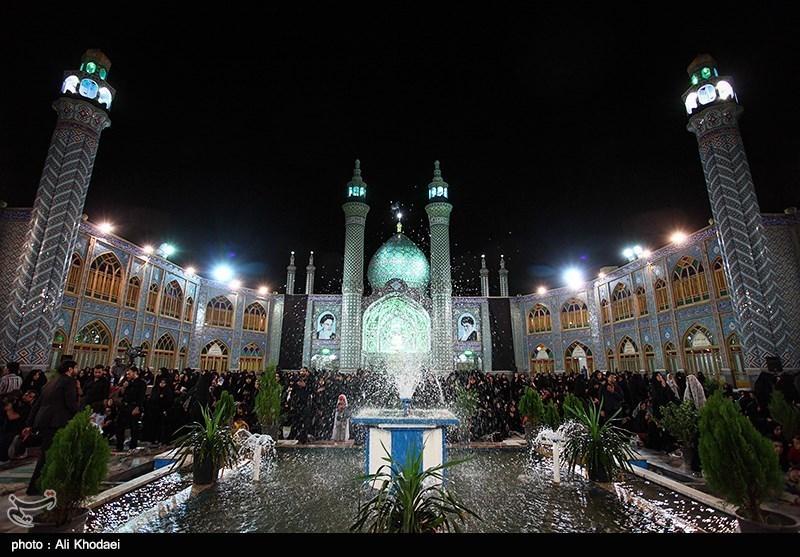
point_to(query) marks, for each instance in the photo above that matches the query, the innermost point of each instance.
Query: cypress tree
(739, 463)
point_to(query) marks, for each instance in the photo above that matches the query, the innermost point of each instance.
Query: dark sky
(561, 133)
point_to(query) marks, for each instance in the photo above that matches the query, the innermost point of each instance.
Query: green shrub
(531, 406)
(570, 401)
(466, 405)
(739, 463)
(552, 418)
(681, 421)
(227, 406)
(785, 414)
(267, 404)
(75, 466)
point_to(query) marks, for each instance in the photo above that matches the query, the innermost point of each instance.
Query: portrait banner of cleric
(326, 327)
(467, 328)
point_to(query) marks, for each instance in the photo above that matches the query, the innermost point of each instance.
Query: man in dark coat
(131, 409)
(51, 411)
(97, 389)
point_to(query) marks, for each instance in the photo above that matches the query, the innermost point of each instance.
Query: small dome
(399, 258)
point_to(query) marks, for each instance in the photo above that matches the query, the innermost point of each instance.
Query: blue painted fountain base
(403, 436)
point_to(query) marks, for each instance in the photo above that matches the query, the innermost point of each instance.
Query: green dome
(399, 258)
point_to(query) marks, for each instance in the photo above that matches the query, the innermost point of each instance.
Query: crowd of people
(132, 405)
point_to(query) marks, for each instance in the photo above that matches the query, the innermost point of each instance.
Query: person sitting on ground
(16, 410)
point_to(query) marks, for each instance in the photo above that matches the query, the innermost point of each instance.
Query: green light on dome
(91, 67)
(705, 73)
(325, 351)
(399, 258)
(103, 73)
(695, 79)
(468, 353)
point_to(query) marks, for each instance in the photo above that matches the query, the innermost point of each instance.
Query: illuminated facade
(721, 301)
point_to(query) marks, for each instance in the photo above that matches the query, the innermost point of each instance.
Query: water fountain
(555, 440)
(404, 433)
(312, 490)
(253, 446)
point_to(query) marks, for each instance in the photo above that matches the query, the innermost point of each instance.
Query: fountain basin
(403, 434)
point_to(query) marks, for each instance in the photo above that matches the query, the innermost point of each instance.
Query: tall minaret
(438, 210)
(290, 272)
(484, 278)
(40, 274)
(503, 277)
(714, 112)
(310, 274)
(355, 217)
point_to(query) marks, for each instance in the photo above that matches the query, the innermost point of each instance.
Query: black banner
(293, 331)
(502, 335)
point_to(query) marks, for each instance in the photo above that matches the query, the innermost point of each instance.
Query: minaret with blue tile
(355, 213)
(439, 209)
(713, 110)
(38, 284)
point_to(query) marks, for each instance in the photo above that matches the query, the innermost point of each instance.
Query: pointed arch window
(539, 320)
(542, 360)
(188, 312)
(105, 278)
(649, 358)
(671, 361)
(578, 355)
(629, 355)
(92, 344)
(214, 356)
(74, 274)
(702, 352)
(574, 314)
(122, 349)
(605, 314)
(720, 280)
(252, 358)
(641, 301)
(219, 312)
(172, 300)
(255, 319)
(164, 352)
(610, 361)
(662, 295)
(621, 303)
(133, 291)
(689, 284)
(152, 298)
(182, 358)
(740, 379)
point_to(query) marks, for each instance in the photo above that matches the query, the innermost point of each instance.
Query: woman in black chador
(155, 412)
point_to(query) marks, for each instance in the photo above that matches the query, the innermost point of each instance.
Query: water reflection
(310, 490)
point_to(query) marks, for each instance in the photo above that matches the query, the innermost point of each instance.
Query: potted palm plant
(740, 464)
(681, 421)
(210, 443)
(75, 466)
(267, 403)
(599, 446)
(532, 409)
(410, 499)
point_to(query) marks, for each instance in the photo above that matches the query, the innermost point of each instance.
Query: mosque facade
(725, 300)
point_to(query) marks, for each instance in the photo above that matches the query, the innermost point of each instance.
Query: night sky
(562, 135)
